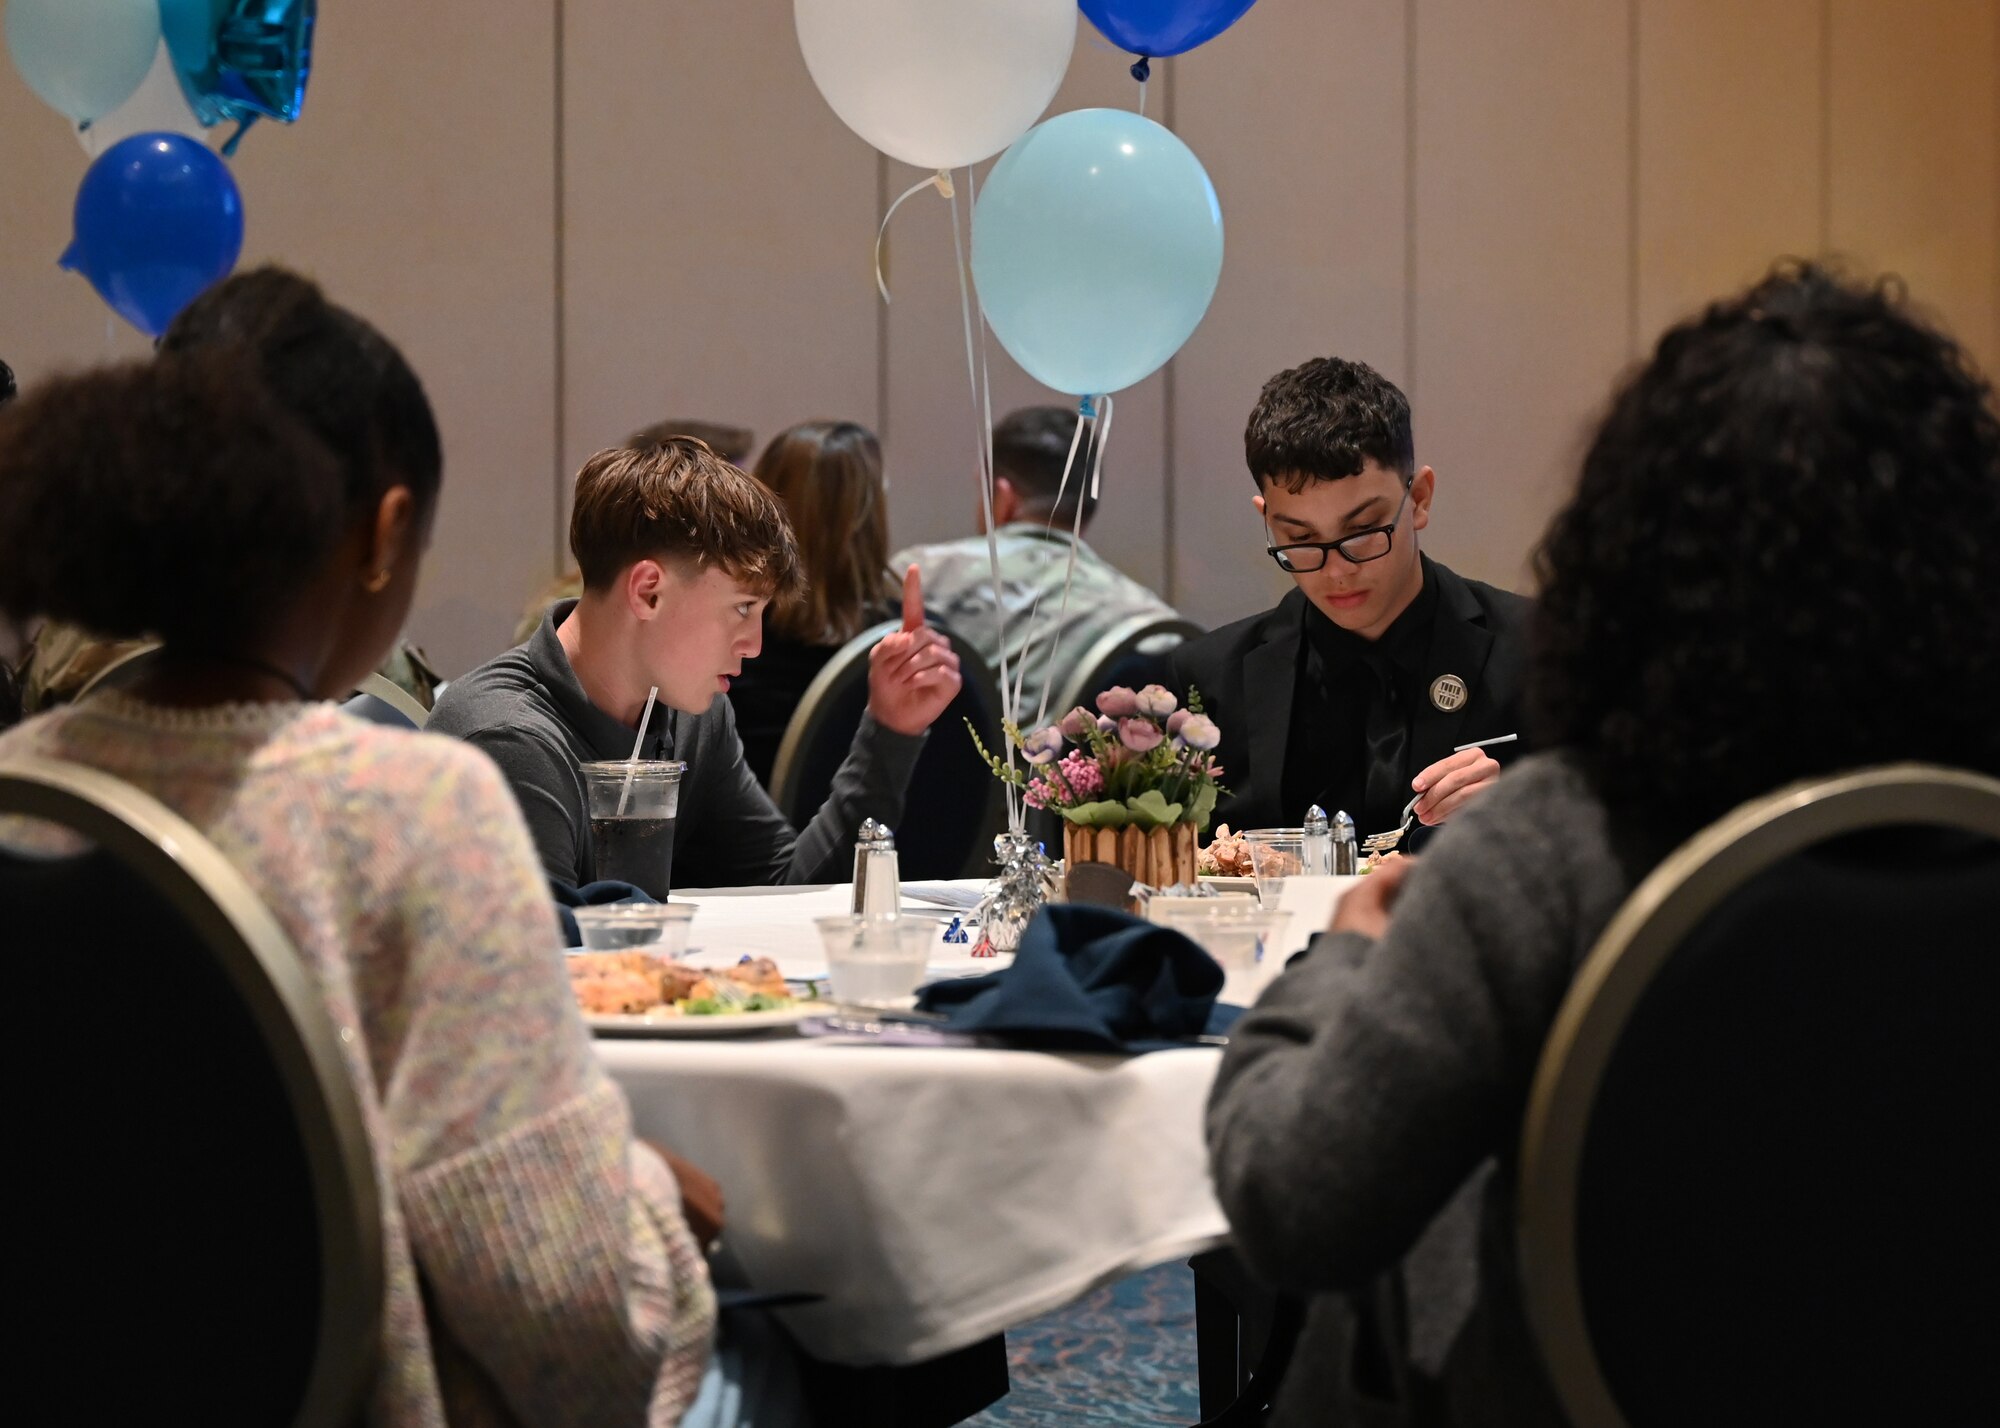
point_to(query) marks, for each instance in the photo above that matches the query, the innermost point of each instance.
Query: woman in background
(829, 476)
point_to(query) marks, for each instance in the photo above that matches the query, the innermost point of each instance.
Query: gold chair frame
(1637, 945)
(260, 962)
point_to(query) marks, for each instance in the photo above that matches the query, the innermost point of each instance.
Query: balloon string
(1103, 435)
(983, 446)
(229, 149)
(941, 181)
(1142, 99)
(1069, 575)
(1048, 527)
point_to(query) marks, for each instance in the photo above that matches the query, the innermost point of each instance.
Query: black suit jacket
(1246, 671)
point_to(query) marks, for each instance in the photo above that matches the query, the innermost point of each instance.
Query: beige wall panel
(717, 219)
(1523, 246)
(931, 429)
(1300, 114)
(1915, 128)
(1729, 148)
(418, 187)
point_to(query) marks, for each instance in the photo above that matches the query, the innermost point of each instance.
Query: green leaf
(1104, 813)
(1202, 805)
(1151, 810)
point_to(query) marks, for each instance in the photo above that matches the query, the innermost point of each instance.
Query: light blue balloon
(83, 57)
(1096, 246)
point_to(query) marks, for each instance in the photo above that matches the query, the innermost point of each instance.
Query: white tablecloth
(935, 1196)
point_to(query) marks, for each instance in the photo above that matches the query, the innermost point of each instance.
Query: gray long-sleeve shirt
(528, 712)
(1364, 1101)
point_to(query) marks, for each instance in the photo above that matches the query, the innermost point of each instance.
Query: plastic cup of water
(1275, 854)
(876, 963)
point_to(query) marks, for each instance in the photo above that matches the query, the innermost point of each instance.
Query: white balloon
(937, 83)
(157, 107)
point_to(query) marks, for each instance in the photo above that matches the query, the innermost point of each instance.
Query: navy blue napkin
(1088, 979)
(589, 895)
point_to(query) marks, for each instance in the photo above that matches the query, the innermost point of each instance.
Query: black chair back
(197, 1233)
(954, 805)
(1133, 654)
(1758, 1158)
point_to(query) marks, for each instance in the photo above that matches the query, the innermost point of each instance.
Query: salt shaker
(1346, 851)
(1316, 844)
(877, 889)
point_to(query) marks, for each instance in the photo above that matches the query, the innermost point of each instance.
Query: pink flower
(1077, 723)
(1040, 793)
(1139, 735)
(1178, 718)
(1081, 773)
(1107, 725)
(1118, 702)
(1156, 702)
(1042, 746)
(1200, 732)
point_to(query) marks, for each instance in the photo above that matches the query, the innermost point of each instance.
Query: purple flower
(1042, 746)
(1198, 731)
(1139, 735)
(1155, 702)
(1178, 718)
(1106, 725)
(1118, 702)
(1077, 723)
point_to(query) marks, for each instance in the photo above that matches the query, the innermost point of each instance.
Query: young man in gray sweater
(680, 553)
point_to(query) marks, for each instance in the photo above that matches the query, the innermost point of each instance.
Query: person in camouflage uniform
(1036, 536)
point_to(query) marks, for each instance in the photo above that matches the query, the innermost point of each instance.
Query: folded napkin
(1088, 979)
(589, 895)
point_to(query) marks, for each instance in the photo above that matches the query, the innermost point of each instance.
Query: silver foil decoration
(1027, 881)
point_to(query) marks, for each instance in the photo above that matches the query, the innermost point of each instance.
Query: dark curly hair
(1782, 558)
(174, 499)
(186, 498)
(1322, 420)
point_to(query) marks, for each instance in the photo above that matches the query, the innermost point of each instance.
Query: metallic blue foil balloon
(241, 59)
(158, 221)
(1157, 28)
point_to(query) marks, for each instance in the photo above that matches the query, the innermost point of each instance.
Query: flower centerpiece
(1137, 785)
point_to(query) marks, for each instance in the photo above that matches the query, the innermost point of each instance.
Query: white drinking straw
(632, 764)
(1483, 743)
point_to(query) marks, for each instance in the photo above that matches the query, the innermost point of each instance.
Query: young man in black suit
(1356, 692)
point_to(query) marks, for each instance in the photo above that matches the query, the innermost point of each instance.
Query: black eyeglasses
(1304, 557)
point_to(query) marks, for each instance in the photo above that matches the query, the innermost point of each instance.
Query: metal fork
(1376, 844)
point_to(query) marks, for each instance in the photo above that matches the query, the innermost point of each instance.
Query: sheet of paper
(777, 923)
(1310, 903)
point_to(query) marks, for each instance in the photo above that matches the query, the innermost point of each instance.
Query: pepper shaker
(878, 890)
(1346, 851)
(1316, 844)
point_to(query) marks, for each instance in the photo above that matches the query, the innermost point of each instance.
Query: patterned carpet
(1124, 1355)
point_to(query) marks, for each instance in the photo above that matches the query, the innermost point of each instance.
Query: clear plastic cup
(632, 809)
(657, 927)
(1238, 932)
(1275, 854)
(876, 963)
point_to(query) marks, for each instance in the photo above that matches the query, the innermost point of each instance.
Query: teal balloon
(1096, 247)
(84, 58)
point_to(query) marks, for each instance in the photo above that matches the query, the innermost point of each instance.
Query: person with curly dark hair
(1361, 687)
(1782, 560)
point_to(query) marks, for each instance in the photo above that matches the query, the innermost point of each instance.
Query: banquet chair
(954, 805)
(197, 1234)
(120, 673)
(1133, 653)
(1757, 1159)
(381, 700)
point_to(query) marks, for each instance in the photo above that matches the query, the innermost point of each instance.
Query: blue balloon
(158, 220)
(241, 59)
(1096, 246)
(1156, 28)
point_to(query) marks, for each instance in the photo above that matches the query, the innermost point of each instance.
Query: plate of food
(642, 994)
(1225, 863)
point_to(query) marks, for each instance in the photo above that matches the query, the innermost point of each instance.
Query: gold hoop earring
(376, 583)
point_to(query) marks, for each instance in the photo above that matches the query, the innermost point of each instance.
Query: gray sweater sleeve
(549, 788)
(1372, 1078)
(749, 843)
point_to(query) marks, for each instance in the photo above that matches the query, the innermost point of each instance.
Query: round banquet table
(934, 1195)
